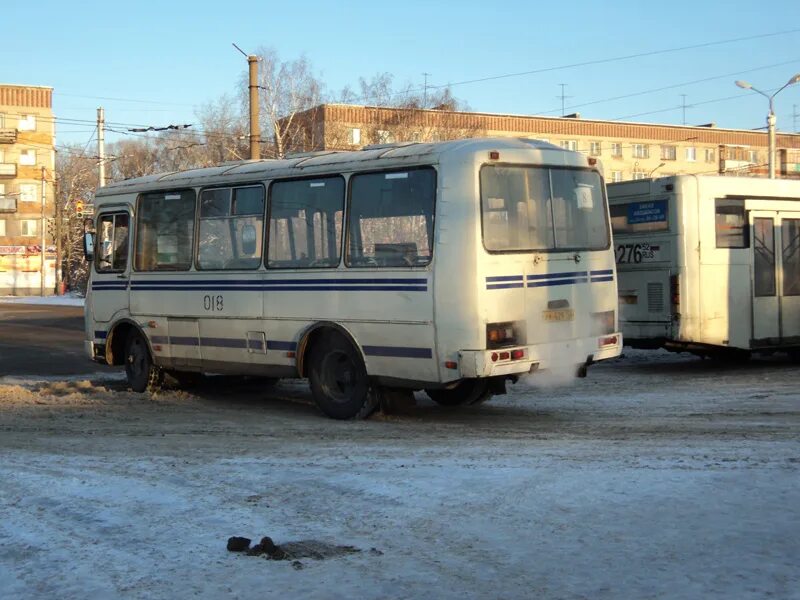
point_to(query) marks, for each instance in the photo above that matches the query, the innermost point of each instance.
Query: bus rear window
(541, 208)
(640, 217)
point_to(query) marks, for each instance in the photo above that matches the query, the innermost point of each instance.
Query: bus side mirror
(88, 240)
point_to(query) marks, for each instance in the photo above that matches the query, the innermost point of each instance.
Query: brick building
(626, 150)
(27, 171)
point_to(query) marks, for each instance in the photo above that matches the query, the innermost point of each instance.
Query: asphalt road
(43, 340)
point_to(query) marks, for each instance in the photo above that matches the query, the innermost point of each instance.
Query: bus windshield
(542, 208)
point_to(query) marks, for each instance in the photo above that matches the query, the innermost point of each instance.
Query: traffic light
(79, 208)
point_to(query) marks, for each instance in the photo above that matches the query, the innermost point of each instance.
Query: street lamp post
(770, 117)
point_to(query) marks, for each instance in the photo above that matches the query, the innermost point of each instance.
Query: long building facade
(626, 150)
(27, 198)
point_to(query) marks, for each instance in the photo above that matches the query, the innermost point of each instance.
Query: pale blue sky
(164, 58)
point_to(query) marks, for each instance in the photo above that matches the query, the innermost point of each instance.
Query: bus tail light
(450, 364)
(609, 340)
(500, 334)
(517, 354)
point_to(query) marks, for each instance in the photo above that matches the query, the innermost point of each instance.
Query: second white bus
(708, 264)
(449, 267)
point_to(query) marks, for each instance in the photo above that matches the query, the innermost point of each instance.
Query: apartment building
(27, 173)
(626, 150)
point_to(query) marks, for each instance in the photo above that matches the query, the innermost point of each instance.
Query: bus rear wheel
(466, 393)
(338, 377)
(142, 374)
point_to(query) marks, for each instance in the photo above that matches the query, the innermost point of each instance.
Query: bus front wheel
(466, 392)
(339, 382)
(142, 374)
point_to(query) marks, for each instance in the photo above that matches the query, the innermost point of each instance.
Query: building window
(639, 175)
(27, 157)
(691, 154)
(28, 192)
(595, 149)
(569, 145)
(669, 153)
(27, 227)
(2, 227)
(616, 176)
(709, 155)
(752, 156)
(384, 137)
(27, 123)
(354, 136)
(616, 149)
(641, 151)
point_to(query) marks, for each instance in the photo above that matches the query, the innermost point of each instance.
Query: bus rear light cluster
(517, 354)
(609, 340)
(450, 364)
(500, 334)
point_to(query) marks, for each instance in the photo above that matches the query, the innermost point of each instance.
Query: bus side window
(112, 243)
(165, 231)
(231, 223)
(730, 224)
(391, 218)
(305, 223)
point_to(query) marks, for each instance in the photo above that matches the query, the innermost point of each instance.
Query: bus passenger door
(776, 277)
(789, 236)
(110, 279)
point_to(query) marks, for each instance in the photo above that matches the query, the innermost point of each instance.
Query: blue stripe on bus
(557, 275)
(557, 282)
(283, 288)
(502, 286)
(504, 278)
(100, 335)
(599, 279)
(159, 339)
(398, 351)
(223, 342)
(340, 281)
(603, 272)
(279, 345)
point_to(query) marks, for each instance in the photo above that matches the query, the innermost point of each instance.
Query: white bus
(449, 267)
(708, 264)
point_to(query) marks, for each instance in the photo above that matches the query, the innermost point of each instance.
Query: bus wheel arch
(116, 341)
(337, 373)
(313, 335)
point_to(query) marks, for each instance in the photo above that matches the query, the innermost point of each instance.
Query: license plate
(562, 314)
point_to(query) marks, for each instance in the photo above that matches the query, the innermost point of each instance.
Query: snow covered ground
(658, 476)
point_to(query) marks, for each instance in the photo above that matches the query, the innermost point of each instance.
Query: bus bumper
(95, 351)
(520, 360)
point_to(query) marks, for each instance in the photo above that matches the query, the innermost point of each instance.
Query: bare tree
(76, 177)
(286, 89)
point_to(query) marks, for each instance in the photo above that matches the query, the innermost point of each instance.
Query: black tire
(142, 374)
(467, 392)
(339, 382)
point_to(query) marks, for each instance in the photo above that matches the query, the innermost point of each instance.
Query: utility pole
(255, 147)
(563, 97)
(44, 233)
(101, 146)
(684, 108)
(425, 91)
(58, 231)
